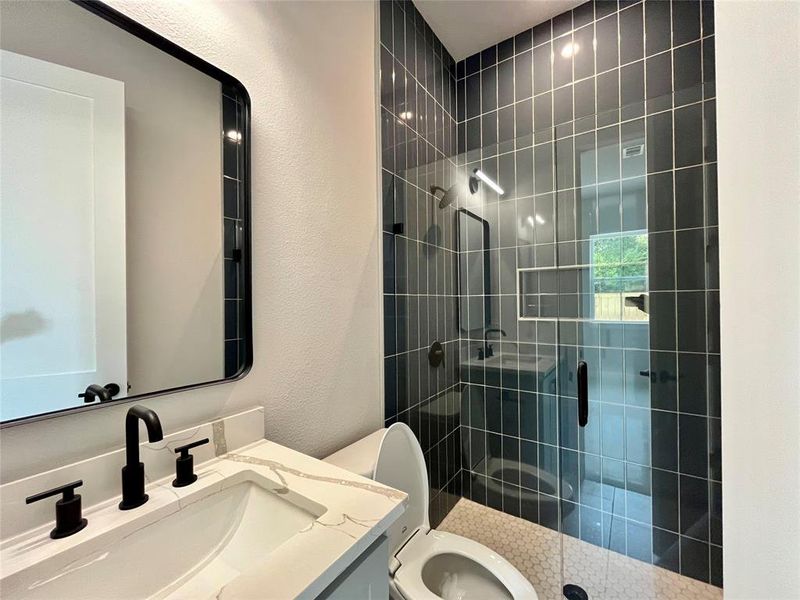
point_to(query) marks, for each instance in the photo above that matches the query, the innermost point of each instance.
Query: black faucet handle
(68, 491)
(184, 464)
(184, 450)
(69, 519)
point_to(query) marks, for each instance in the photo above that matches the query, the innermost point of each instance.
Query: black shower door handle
(583, 393)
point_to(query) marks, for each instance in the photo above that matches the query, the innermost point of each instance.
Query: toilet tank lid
(360, 456)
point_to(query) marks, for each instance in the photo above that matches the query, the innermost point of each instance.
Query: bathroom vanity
(261, 520)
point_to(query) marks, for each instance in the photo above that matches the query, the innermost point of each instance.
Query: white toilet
(425, 563)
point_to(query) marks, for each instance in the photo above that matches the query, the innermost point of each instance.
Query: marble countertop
(357, 512)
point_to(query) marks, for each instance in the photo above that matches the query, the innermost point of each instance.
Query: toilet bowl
(426, 564)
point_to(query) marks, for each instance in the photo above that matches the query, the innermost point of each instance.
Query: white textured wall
(758, 120)
(310, 71)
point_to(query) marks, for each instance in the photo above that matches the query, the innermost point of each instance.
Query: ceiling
(468, 26)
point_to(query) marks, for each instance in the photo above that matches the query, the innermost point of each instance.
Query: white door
(62, 250)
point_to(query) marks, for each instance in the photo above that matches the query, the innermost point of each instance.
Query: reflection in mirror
(123, 200)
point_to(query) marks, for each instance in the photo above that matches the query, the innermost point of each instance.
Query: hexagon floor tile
(536, 551)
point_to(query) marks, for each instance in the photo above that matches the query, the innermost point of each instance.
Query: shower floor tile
(536, 552)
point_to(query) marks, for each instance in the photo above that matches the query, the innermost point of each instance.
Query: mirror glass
(124, 208)
(475, 272)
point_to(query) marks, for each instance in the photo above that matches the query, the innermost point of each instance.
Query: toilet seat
(422, 547)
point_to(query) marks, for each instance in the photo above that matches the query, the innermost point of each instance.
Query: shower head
(447, 196)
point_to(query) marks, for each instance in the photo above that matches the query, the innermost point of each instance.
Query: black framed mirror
(125, 200)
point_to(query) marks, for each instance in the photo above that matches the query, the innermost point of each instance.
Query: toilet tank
(359, 457)
(392, 457)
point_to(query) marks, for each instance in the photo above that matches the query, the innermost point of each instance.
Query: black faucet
(487, 350)
(104, 393)
(133, 472)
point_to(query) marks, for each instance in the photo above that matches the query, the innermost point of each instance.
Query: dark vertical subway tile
(661, 261)
(584, 99)
(390, 387)
(660, 202)
(692, 390)
(608, 98)
(689, 135)
(488, 89)
(607, 44)
(562, 23)
(473, 64)
(687, 73)
(473, 98)
(631, 34)
(663, 374)
(542, 81)
(664, 443)
(632, 90)
(712, 310)
(709, 68)
(399, 44)
(522, 41)
(689, 201)
(690, 258)
(489, 57)
(715, 516)
(657, 25)
(563, 105)
(542, 33)
(709, 131)
(665, 500)
(522, 76)
(691, 321)
(386, 30)
(583, 14)
(505, 82)
(666, 550)
(603, 8)
(694, 507)
(685, 22)
(693, 445)
(658, 71)
(505, 49)
(694, 559)
(715, 566)
(583, 46)
(659, 142)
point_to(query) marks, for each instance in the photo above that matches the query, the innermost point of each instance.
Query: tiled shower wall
(548, 114)
(418, 133)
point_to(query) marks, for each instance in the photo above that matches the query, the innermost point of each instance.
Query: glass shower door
(601, 298)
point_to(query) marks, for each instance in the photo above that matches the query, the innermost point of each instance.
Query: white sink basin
(191, 553)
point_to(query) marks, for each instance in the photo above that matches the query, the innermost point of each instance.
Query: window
(618, 275)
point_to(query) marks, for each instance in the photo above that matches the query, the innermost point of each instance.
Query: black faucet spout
(487, 350)
(154, 432)
(133, 472)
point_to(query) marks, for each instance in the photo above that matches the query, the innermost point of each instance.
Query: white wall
(310, 71)
(175, 314)
(758, 121)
